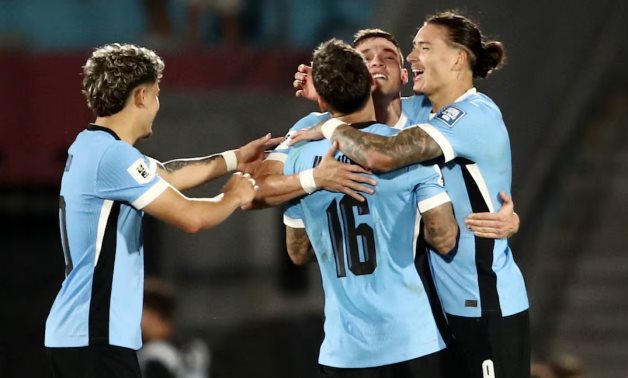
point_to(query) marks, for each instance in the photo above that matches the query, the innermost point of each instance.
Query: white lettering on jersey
(140, 171)
(488, 370)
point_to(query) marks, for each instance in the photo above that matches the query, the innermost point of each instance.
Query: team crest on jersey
(450, 115)
(140, 171)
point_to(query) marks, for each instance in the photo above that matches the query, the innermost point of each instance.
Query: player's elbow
(444, 239)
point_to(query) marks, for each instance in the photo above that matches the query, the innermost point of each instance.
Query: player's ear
(404, 76)
(321, 104)
(139, 94)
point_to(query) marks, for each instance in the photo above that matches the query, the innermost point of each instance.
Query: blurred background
(228, 79)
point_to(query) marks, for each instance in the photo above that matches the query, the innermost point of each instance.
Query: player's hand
(253, 153)
(502, 224)
(304, 84)
(241, 186)
(344, 178)
(313, 133)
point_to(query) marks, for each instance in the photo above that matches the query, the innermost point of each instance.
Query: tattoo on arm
(298, 244)
(412, 145)
(175, 165)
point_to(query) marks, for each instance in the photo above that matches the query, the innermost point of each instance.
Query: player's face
(384, 63)
(432, 60)
(151, 103)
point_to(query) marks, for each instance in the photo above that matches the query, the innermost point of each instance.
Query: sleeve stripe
(475, 172)
(277, 156)
(440, 139)
(293, 222)
(433, 202)
(150, 194)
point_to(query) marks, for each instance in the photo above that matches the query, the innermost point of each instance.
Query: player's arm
(298, 245)
(440, 228)
(185, 174)
(275, 188)
(192, 215)
(376, 152)
(502, 224)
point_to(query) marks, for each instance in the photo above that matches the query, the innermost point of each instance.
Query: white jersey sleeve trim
(150, 195)
(105, 210)
(277, 156)
(474, 170)
(433, 202)
(439, 138)
(293, 222)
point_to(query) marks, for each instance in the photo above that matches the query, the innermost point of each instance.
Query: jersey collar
(95, 127)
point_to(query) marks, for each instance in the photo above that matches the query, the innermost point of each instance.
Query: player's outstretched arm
(185, 174)
(440, 227)
(194, 214)
(298, 245)
(376, 152)
(330, 174)
(502, 224)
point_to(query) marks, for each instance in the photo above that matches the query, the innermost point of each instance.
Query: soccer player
(481, 288)
(93, 329)
(378, 320)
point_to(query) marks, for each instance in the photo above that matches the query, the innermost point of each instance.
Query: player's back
(376, 309)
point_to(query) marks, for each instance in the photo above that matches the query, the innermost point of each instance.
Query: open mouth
(417, 72)
(379, 76)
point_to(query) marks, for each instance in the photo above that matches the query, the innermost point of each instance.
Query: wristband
(307, 180)
(231, 160)
(330, 126)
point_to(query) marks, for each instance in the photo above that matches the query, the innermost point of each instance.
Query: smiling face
(433, 60)
(384, 63)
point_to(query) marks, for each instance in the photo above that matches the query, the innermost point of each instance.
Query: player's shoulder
(474, 106)
(310, 120)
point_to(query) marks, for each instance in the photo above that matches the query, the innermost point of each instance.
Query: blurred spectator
(567, 366)
(161, 356)
(226, 14)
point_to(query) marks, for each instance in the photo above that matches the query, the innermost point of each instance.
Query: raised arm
(441, 229)
(185, 174)
(375, 152)
(298, 245)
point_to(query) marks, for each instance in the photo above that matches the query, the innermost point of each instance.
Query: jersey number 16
(346, 237)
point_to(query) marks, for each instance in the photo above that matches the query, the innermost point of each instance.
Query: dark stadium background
(563, 93)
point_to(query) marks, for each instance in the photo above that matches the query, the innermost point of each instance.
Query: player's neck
(365, 114)
(448, 95)
(387, 111)
(119, 123)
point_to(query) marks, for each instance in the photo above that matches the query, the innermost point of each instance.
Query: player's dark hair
(159, 296)
(484, 56)
(113, 71)
(340, 76)
(364, 34)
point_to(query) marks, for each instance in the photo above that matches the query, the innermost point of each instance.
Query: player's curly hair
(340, 76)
(484, 56)
(113, 71)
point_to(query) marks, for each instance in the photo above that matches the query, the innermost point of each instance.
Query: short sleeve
(124, 174)
(293, 215)
(429, 189)
(466, 129)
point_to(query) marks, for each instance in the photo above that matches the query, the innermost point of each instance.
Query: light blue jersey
(105, 185)
(376, 308)
(481, 277)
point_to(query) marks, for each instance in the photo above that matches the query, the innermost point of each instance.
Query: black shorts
(94, 361)
(435, 365)
(492, 347)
